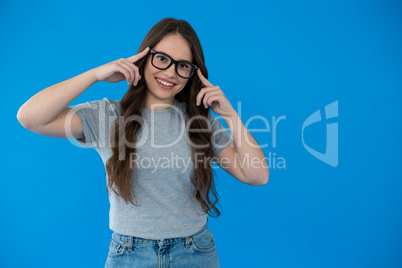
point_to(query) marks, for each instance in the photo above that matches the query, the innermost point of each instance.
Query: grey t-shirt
(164, 192)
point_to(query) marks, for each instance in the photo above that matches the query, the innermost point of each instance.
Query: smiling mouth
(164, 84)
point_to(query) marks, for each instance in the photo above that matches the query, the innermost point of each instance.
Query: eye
(184, 65)
(161, 58)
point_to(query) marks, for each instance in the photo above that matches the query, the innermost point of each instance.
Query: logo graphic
(330, 156)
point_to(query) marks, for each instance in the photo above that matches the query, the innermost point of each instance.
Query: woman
(163, 116)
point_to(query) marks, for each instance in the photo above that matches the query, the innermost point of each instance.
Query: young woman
(157, 144)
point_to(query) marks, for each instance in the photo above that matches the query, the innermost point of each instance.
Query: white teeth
(164, 83)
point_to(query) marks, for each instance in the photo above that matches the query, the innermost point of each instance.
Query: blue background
(286, 58)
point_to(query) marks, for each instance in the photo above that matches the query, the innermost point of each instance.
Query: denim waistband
(131, 240)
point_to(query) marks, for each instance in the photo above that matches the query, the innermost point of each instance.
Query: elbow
(261, 180)
(23, 119)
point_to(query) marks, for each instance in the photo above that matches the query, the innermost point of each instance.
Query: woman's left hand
(213, 97)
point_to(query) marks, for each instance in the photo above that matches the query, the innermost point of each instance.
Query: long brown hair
(118, 169)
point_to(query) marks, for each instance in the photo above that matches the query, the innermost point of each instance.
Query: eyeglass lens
(183, 69)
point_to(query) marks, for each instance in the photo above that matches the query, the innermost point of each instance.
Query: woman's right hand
(121, 69)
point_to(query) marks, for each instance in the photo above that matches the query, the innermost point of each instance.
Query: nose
(171, 71)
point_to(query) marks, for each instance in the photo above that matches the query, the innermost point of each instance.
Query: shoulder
(214, 123)
(98, 109)
(113, 106)
(214, 120)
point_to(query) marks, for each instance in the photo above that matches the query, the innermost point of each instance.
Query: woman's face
(178, 48)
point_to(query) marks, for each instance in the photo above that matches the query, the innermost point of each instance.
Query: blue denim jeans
(196, 250)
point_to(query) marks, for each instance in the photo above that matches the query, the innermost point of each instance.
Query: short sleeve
(221, 137)
(94, 117)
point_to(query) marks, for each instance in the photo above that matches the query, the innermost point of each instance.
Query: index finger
(138, 56)
(204, 81)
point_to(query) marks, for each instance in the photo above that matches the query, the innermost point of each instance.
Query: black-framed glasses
(163, 61)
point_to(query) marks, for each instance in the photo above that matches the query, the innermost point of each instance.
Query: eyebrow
(172, 57)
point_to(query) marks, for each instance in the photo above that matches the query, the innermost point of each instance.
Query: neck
(157, 104)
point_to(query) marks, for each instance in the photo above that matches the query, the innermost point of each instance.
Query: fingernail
(198, 104)
(136, 84)
(205, 106)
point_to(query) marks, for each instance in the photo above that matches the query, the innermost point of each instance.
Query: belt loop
(130, 242)
(188, 241)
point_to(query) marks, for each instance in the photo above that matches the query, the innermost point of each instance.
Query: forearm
(45, 105)
(253, 162)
